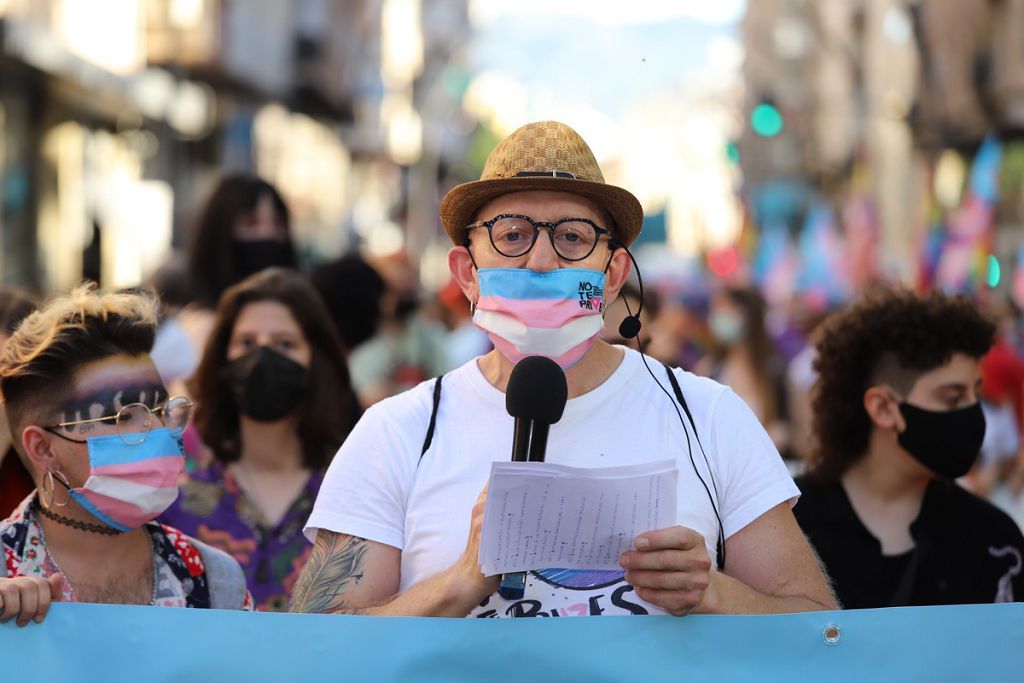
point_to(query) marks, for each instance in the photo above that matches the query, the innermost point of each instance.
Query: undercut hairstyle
(329, 411)
(39, 361)
(889, 336)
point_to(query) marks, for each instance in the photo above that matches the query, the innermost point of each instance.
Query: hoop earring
(52, 502)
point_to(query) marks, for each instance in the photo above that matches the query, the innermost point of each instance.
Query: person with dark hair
(274, 406)
(352, 289)
(243, 228)
(744, 358)
(896, 419)
(15, 481)
(95, 426)
(540, 249)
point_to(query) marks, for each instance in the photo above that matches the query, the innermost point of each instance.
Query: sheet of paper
(542, 515)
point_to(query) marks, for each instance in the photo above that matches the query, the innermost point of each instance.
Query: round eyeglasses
(513, 235)
(135, 420)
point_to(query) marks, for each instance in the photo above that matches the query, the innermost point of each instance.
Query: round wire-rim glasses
(513, 235)
(135, 420)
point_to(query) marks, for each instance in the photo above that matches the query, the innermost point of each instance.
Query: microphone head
(629, 327)
(536, 390)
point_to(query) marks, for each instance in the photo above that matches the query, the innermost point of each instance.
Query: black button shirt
(968, 550)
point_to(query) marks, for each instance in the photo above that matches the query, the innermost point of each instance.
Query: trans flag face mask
(131, 484)
(555, 313)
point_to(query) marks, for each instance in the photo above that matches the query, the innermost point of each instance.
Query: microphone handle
(538, 442)
(521, 439)
(529, 443)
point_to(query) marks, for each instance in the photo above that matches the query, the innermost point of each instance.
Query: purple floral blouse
(214, 509)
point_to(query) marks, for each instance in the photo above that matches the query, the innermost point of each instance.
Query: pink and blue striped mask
(554, 313)
(131, 484)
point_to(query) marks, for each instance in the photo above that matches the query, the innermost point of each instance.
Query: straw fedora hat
(546, 155)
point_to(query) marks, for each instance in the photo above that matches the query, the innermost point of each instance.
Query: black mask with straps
(946, 442)
(267, 385)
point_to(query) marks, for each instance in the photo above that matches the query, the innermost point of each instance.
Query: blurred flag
(824, 273)
(1017, 285)
(861, 228)
(776, 263)
(963, 265)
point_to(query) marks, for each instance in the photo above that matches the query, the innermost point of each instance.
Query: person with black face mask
(275, 404)
(897, 420)
(243, 228)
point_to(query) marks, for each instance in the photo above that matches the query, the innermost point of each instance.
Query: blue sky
(574, 52)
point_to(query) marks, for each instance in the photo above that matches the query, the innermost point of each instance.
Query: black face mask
(252, 256)
(946, 442)
(266, 384)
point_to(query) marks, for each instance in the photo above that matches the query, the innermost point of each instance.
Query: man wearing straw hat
(398, 520)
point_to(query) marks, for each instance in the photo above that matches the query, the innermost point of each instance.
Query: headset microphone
(629, 328)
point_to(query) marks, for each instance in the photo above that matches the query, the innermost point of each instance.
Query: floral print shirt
(179, 574)
(213, 508)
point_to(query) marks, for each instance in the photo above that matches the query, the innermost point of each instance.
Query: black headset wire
(675, 404)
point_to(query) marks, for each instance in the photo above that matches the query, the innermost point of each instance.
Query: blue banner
(79, 642)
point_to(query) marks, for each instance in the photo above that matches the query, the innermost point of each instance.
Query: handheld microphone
(535, 397)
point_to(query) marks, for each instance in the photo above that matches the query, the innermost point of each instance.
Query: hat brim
(463, 201)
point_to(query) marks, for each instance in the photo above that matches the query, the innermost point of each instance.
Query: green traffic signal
(766, 120)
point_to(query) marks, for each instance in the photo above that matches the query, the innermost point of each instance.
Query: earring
(472, 308)
(49, 477)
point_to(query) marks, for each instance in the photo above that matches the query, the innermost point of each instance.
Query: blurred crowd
(247, 335)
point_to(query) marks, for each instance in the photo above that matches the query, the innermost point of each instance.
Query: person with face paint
(274, 405)
(93, 423)
(896, 420)
(539, 250)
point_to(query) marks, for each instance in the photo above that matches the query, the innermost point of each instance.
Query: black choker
(74, 523)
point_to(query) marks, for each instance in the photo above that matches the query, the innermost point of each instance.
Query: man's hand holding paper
(541, 515)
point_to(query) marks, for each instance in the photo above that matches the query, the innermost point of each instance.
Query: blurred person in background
(744, 358)
(352, 290)
(464, 341)
(274, 406)
(897, 419)
(94, 424)
(15, 480)
(1002, 390)
(242, 229)
(408, 346)
(800, 377)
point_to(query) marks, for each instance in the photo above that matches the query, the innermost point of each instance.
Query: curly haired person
(897, 419)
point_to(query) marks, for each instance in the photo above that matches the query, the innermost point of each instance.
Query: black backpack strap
(678, 391)
(433, 417)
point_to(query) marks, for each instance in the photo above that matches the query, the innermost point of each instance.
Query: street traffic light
(766, 120)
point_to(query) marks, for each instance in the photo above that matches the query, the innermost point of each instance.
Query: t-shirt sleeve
(367, 484)
(751, 476)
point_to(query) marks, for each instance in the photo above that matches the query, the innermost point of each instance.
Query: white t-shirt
(378, 488)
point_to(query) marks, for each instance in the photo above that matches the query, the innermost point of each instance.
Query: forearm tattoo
(335, 564)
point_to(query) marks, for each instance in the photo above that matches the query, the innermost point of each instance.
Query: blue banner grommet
(832, 634)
